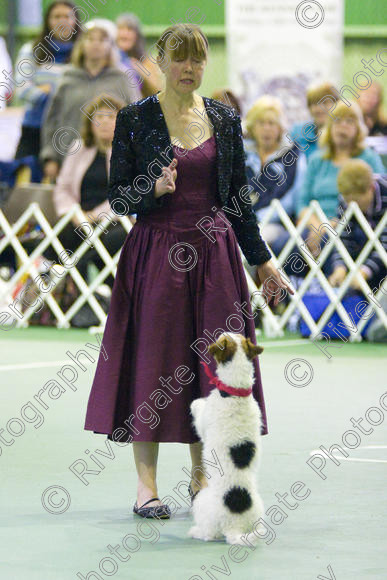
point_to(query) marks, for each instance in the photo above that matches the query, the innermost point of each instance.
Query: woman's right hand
(166, 183)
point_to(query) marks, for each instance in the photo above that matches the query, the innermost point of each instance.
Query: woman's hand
(274, 286)
(166, 183)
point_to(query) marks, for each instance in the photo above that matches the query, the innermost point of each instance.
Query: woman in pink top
(83, 180)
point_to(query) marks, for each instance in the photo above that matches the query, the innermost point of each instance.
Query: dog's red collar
(222, 386)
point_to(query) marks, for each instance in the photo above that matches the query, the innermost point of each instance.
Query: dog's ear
(223, 349)
(251, 349)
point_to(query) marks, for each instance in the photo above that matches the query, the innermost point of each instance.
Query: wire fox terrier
(229, 421)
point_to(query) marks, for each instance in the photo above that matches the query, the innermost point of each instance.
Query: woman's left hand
(274, 286)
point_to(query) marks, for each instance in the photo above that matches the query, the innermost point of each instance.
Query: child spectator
(356, 183)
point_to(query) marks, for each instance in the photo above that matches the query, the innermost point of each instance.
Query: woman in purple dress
(180, 281)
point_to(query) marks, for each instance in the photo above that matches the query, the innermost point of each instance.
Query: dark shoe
(157, 511)
(192, 494)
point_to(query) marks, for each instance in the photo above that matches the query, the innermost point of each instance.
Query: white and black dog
(229, 422)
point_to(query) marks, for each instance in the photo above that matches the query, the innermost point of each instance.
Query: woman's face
(266, 131)
(126, 38)
(61, 17)
(181, 70)
(344, 131)
(106, 119)
(369, 99)
(96, 45)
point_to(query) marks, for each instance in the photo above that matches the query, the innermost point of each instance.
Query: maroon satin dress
(175, 291)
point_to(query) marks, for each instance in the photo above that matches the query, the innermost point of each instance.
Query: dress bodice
(195, 195)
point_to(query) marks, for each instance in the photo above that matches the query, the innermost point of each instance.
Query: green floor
(337, 531)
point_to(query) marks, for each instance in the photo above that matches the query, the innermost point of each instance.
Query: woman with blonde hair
(275, 168)
(176, 286)
(94, 72)
(342, 139)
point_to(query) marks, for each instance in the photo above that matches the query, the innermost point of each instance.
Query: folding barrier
(51, 237)
(273, 324)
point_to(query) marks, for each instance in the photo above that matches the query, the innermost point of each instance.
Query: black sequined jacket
(142, 145)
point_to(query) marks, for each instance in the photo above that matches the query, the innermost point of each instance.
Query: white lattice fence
(28, 262)
(274, 325)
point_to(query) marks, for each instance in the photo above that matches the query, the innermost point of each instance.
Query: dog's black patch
(242, 454)
(224, 394)
(237, 499)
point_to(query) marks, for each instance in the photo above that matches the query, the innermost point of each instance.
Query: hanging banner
(30, 12)
(279, 47)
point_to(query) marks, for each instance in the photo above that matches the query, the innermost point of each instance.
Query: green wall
(158, 13)
(364, 32)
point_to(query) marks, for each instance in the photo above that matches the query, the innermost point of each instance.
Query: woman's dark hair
(228, 98)
(46, 27)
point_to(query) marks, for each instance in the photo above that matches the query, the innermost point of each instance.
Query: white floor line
(360, 459)
(378, 446)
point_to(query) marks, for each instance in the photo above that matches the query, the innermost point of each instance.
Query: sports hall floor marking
(359, 459)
